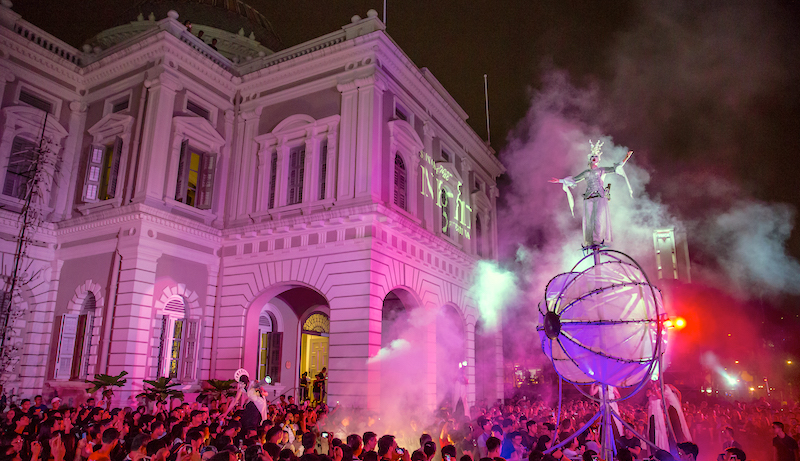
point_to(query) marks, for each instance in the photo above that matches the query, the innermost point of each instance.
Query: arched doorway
(314, 353)
(451, 360)
(281, 327)
(403, 383)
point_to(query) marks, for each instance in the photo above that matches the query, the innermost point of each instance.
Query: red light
(680, 323)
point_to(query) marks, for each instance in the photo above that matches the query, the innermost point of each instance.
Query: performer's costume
(596, 221)
(681, 429)
(656, 423)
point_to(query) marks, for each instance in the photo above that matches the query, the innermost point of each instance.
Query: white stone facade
(203, 210)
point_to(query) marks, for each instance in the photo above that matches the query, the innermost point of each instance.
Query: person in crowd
(688, 451)
(785, 447)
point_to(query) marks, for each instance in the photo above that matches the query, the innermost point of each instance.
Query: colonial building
(213, 208)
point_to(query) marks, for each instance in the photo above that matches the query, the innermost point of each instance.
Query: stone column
(224, 167)
(333, 156)
(245, 161)
(155, 143)
(5, 76)
(73, 148)
(355, 337)
(348, 129)
(132, 323)
(369, 145)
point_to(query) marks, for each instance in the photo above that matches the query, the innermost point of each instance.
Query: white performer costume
(673, 400)
(656, 423)
(596, 222)
(613, 394)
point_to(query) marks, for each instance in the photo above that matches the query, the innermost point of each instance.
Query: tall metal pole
(607, 447)
(486, 97)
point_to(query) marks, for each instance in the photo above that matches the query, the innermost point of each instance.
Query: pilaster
(355, 337)
(348, 130)
(246, 160)
(72, 159)
(132, 321)
(369, 146)
(155, 144)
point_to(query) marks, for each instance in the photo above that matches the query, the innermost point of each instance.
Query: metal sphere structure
(602, 324)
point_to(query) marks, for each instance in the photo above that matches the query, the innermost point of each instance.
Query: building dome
(241, 32)
(228, 15)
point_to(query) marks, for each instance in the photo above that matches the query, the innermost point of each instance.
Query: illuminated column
(245, 161)
(132, 320)
(369, 146)
(224, 170)
(345, 187)
(333, 155)
(355, 337)
(72, 159)
(155, 142)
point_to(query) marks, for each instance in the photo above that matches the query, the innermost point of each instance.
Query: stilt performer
(596, 222)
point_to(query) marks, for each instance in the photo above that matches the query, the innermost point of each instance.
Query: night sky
(706, 92)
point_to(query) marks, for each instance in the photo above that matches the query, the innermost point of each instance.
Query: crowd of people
(249, 427)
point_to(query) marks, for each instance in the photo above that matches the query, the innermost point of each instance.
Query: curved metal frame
(607, 445)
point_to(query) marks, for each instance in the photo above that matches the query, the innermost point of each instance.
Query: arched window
(445, 213)
(75, 341)
(399, 182)
(269, 348)
(478, 235)
(318, 323)
(20, 168)
(178, 340)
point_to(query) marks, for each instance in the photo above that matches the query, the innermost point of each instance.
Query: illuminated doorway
(314, 349)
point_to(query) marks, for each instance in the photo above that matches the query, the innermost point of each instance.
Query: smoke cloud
(686, 93)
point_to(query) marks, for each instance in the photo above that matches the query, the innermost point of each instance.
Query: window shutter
(189, 353)
(479, 235)
(66, 346)
(180, 187)
(275, 343)
(157, 346)
(205, 188)
(301, 175)
(77, 354)
(94, 169)
(323, 170)
(114, 173)
(399, 182)
(20, 164)
(87, 347)
(273, 177)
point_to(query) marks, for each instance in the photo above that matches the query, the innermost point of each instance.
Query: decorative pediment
(29, 119)
(199, 130)
(402, 133)
(294, 122)
(109, 126)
